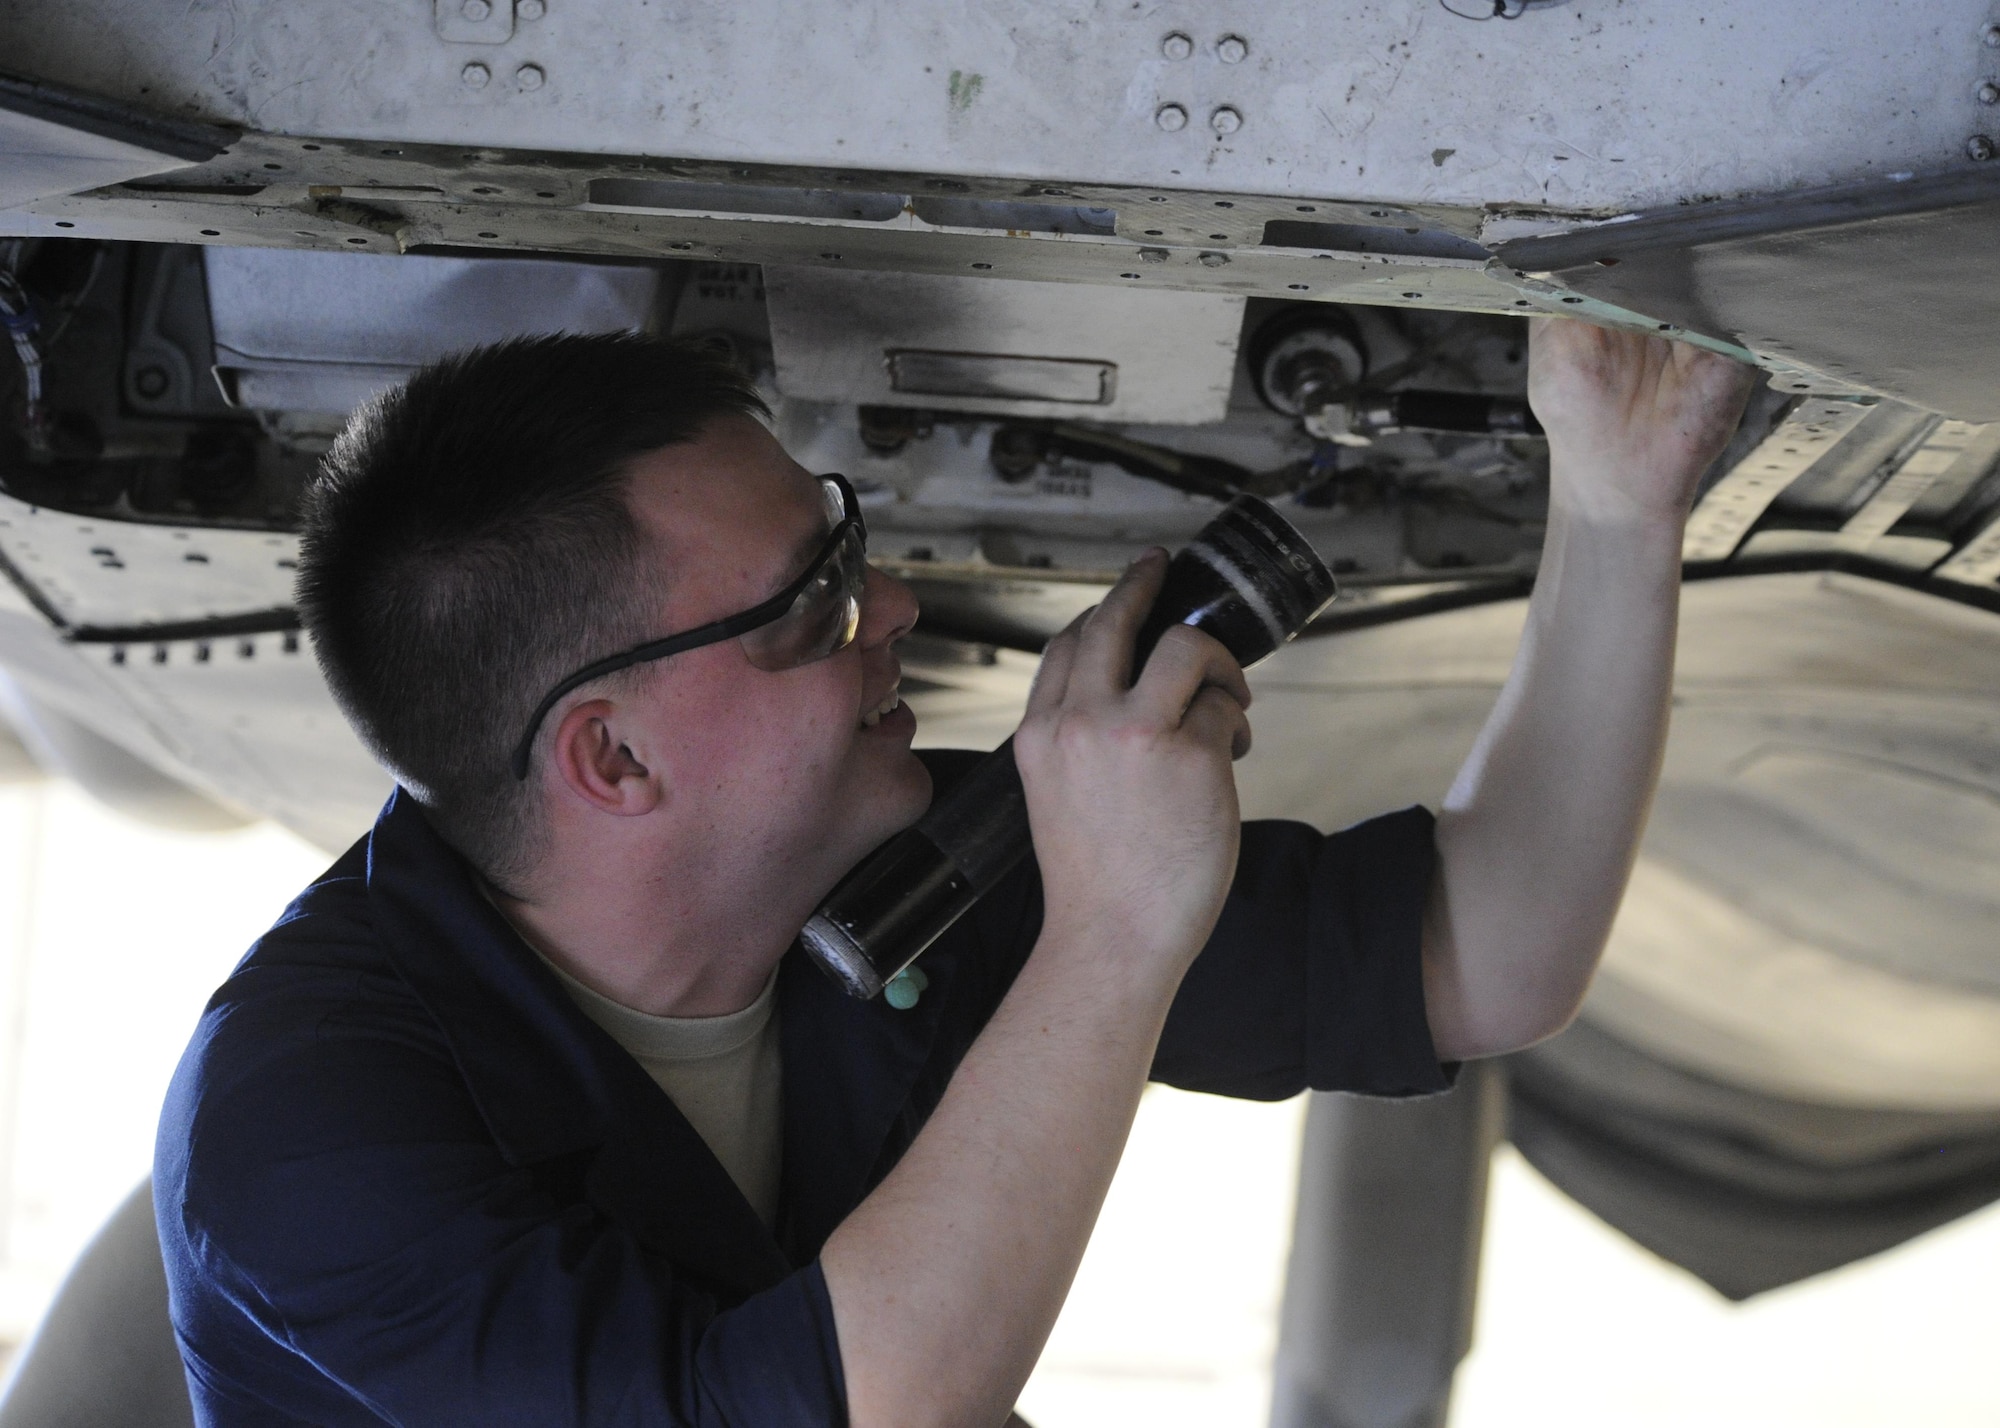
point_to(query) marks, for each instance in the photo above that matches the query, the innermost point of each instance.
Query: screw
(1989, 92)
(1170, 117)
(1231, 49)
(1979, 148)
(1225, 120)
(476, 10)
(152, 382)
(475, 75)
(530, 9)
(529, 76)
(1177, 46)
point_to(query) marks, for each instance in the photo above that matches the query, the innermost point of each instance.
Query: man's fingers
(1182, 664)
(1051, 683)
(1214, 717)
(1104, 649)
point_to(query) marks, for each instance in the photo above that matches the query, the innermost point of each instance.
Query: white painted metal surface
(1594, 105)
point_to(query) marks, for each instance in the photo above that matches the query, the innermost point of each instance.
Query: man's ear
(598, 767)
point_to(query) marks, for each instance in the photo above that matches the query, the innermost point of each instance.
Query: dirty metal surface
(1592, 106)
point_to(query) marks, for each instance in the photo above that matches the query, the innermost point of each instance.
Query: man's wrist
(1619, 513)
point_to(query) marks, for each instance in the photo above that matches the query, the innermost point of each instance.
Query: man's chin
(898, 794)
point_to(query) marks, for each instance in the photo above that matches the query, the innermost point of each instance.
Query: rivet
(1991, 35)
(1214, 260)
(1989, 92)
(1231, 49)
(530, 76)
(475, 75)
(1979, 148)
(1225, 120)
(1170, 117)
(530, 9)
(1177, 46)
(1152, 255)
(476, 10)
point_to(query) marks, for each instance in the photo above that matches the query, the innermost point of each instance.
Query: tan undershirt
(723, 1072)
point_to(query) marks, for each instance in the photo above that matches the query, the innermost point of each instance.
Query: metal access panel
(323, 332)
(999, 346)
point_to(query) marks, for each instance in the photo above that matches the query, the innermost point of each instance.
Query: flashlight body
(1248, 578)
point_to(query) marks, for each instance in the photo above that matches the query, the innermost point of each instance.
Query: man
(530, 1111)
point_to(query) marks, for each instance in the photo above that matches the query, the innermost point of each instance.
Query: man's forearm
(1537, 836)
(946, 1281)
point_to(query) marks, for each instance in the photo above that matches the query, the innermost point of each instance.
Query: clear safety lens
(824, 617)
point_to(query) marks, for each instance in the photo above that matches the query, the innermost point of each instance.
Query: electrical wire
(17, 315)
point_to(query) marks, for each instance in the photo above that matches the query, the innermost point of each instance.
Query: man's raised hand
(1632, 420)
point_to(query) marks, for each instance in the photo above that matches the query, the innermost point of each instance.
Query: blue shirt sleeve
(344, 1196)
(1313, 977)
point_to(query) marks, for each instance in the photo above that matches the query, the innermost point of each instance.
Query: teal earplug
(905, 987)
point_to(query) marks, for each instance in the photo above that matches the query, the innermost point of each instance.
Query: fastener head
(1152, 255)
(530, 9)
(529, 76)
(1170, 117)
(1177, 46)
(475, 75)
(1225, 120)
(1991, 35)
(1231, 49)
(1989, 92)
(475, 10)
(1979, 147)
(1214, 260)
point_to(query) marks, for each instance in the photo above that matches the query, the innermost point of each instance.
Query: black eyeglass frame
(763, 613)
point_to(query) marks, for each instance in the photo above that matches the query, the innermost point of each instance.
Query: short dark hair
(468, 542)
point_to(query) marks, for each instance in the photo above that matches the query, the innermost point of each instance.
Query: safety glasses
(814, 616)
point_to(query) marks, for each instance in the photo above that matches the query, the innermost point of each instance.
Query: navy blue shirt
(401, 1179)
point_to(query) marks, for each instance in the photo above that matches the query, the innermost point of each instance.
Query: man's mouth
(887, 706)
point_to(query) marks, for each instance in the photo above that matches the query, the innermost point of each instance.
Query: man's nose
(888, 610)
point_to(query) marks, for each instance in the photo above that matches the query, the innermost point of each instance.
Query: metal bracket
(474, 22)
(1734, 503)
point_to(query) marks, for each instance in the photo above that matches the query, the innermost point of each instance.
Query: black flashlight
(1248, 578)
